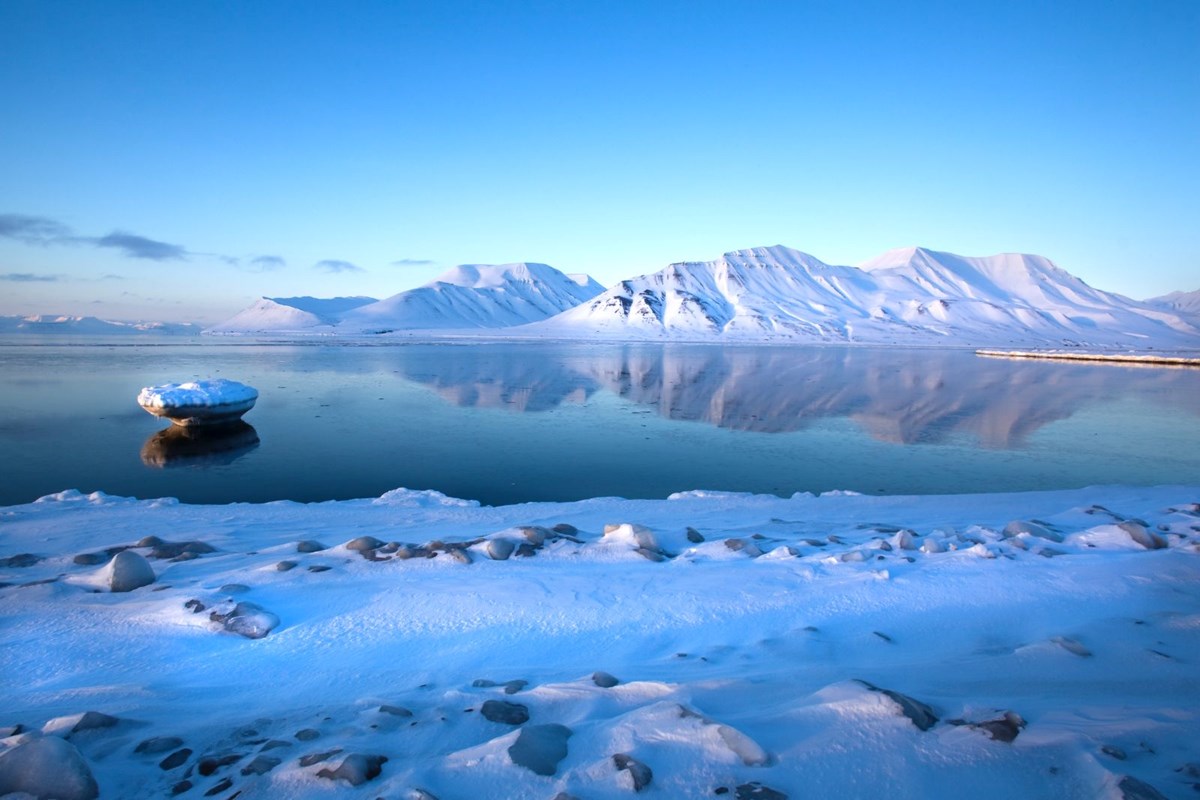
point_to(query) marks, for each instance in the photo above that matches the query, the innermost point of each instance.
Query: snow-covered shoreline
(755, 656)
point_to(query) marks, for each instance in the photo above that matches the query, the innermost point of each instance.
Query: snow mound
(197, 394)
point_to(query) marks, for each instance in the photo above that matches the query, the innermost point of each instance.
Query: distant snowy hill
(906, 296)
(275, 314)
(39, 324)
(1186, 304)
(475, 296)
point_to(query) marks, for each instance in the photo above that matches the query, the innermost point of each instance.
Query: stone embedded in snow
(604, 680)
(307, 734)
(284, 566)
(505, 712)
(207, 402)
(421, 794)
(309, 546)
(459, 555)
(79, 723)
(395, 711)
(694, 536)
(744, 546)
(932, 545)
(317, 758)
(748, 750)
(158, 744)
(536, 535)
(20, 560)
(47, 768)
(179, 551)
(920, 714)
(539, 748)
(1134, 789)
(1019, 526)
(127, 571)
(1003, 729)
(500, 549)
(565, 528)
(756, 791)
(1072, 646)
(176, 759)
(261, 765)
(363, 543)
(211, 764)
(220, 786)
(1143, 536)
(356, 769)
(639, 772)
(247, 619)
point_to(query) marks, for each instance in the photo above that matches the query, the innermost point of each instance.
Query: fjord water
(515, 422)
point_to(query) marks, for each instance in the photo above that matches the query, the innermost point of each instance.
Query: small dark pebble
(756, 791)
(176, 759)
(308, 734)
(181, 787)
(284, 566)
(208, 766)
(319, 568)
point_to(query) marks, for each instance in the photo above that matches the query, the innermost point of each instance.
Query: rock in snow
(356, 769)
(127, 571)
(539, 748)
(48, 768)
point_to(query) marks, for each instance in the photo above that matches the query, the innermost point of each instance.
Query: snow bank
(1037, 645)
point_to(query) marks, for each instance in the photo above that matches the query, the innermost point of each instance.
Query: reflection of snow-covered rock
(207, 402)
(476, 296)
(206, 445)
(906, 296)
(274, 314)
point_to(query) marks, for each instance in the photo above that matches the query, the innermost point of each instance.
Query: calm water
(506, 423)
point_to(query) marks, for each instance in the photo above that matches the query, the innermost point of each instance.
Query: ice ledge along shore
(415, 645)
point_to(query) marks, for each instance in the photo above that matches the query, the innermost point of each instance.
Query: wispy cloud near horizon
(32, 229)
(28, 277)
(334, 266)
(412, 262)
(266, 263)
(133, 246)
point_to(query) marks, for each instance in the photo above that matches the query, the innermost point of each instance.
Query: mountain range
(91, 326)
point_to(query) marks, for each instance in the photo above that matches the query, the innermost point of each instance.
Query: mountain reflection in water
(211, 446)
(898, 396)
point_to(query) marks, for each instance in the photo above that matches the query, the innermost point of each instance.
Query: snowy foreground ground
(812, 647)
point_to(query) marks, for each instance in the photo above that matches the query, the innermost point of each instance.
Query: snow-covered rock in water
(475, 296)
(47, 768)
(127, 571)
(206, 402)
(288, 314)
(911, 295)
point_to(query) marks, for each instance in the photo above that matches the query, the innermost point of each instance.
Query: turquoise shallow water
(505, 422)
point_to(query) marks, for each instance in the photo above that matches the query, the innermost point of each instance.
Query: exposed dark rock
(47, 767)
(364, 543)
(92, 721)
(536, 535)
(211, 764)
(756, 791)
(641, 774)
(158, 744)
(395, 711)
(308, 734)
(97, 558)
(566, 528)
(1073, 646)
(461, 556)
(176, 549)
(512, 687)
(1002, 729)
(356, 769)
(149, 541)
(261, 765)
(319, 568)
(694, 536)
(317, 758)
(176, 759)
(1134, 789)
(743, 546)
(604, 680)
(234, 588)
(920, 714)
(525, 550)
(274, 744)
(129, 571)
(309, 546)
(539, 748)
(219, 787)
(284, 566)
(650, 555)
(181, 787)
(1140, 534)
(505, 712)
(1114, 752)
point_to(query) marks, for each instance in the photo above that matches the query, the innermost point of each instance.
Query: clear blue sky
(175, 160)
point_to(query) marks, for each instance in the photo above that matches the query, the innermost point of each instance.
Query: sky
(175, 161)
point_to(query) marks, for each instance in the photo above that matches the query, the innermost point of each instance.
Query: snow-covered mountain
(905, 296)
(1186, 304)
(275, 314)
(476, 296)
(39, 324)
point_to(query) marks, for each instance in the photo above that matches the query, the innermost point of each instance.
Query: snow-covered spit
(1039, 645)
(91, 326)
